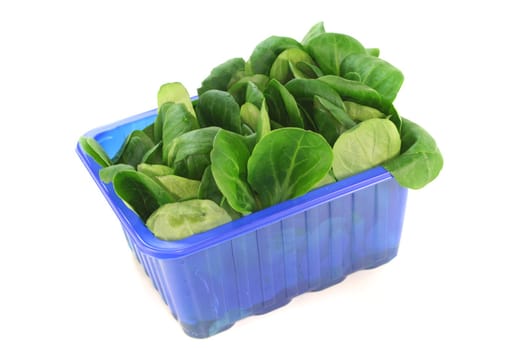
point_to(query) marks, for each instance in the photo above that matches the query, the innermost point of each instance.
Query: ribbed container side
(263, 270)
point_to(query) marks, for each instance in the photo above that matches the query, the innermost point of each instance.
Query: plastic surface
(261, 261)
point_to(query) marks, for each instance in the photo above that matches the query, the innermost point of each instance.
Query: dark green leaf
(376, 73)
(355, 91)
(281, 70)
(208, 188)
(329, 50)
(305, 70)
(177, 121)
(304, 90)
(254, 94)
(143, 194)
(189, 153)
(240, 88)
(287, 163)
(149, 130)
(134, 148)
(267, 51)
(154, 155)
(219, 108)
(229, 159)
(282, 107)
(220, 76)
(330, 120)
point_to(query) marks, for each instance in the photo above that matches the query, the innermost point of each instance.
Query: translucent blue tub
(261, 261)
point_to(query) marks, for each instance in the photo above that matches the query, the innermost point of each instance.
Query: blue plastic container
(261, 261)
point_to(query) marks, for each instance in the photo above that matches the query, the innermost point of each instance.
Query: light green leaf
(154, 170)
(92, 148)
(176, 93)
(179, 220)
(108, 173)
(180, 187)
(366, 145)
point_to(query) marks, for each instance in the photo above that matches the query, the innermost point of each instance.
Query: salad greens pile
(293, 117)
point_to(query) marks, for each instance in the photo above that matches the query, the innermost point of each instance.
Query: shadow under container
(260, 262)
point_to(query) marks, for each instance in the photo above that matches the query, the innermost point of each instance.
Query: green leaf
(189, 153)
(159, 121)
(281, 70)
(361, 113)
(351, 90)
(179, 220)
(250, 115)
(336, 112)
(352, 76)
(180, 187)
(314, 31)
(153, 155)
(305, 70)
(229, 159)
(154, 170)
(366, 145)
(329, 50)
(177, 121)
(287, 163)
(240, 88)
(254, 94)
(149, 130)
(328, 179)
(108, 173)
(219, 108)
(143, 194)
(263, 123)
(282, 106)
(373, 51)
(330, 120)
(208, 187)
(92, 148)
(376, 73)
(266, 52)
(220, 76)
(134, 148)
(304, 91)
(420, 161)
(176, 93)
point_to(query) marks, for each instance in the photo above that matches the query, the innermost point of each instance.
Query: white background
(68, 279)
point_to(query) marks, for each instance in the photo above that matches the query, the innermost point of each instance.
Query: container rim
(148, 243)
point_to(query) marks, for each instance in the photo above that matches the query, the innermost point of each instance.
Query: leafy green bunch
(293, 117)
